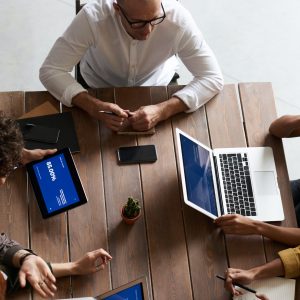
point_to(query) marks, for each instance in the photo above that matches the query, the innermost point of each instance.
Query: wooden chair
(78, 76)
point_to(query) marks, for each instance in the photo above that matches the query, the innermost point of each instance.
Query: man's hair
(11, 144)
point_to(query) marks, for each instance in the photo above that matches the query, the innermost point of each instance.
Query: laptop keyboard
(237, 184)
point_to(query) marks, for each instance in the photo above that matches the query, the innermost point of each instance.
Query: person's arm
(91, 262)
(237, 224)
(270, 269)
(8, 248)
(147, 117)
(199, 59)
(66, 52)
(286, 126)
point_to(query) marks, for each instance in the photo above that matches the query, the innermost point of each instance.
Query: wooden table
(178, 249)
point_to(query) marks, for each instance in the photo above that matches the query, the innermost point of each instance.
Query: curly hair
(11, 144)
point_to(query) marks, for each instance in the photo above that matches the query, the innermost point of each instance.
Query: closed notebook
(276, 288)
(62, 121)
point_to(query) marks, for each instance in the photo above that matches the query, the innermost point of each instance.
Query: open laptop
(229, 180)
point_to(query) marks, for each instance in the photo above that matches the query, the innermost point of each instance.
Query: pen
(107, 112)
(239, 285)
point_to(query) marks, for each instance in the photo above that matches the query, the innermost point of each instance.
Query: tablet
(56, 183)
(135, 290)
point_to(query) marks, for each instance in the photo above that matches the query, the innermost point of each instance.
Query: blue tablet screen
(198, 175)
(56, 184)
(134, 292)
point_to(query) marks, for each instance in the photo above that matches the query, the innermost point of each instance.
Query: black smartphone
(137, 154)
(38, 133)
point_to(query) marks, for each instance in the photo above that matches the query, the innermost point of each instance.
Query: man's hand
(237, 224)
(145, 117)
(97, 108)
(37, 273)
(31, 155)
(91, 262)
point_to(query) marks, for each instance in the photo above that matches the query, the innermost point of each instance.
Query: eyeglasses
(141, 24)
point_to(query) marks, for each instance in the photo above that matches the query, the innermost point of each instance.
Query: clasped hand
(142, 119)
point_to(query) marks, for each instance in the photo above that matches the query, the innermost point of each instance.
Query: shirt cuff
(70, 92)
(8, 257)
(290, 262)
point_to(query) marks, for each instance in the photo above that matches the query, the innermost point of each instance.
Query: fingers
(22, 279)
(49, 151)
(112, 121)
(38, 289)
(225, 218)
(262, 296)
(228, 283)
(104, 256)
(43, 289)
(50, 277)
(48, 288)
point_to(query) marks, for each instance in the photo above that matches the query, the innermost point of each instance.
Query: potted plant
(131, 211)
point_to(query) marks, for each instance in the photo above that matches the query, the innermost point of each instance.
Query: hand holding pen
(113, 116)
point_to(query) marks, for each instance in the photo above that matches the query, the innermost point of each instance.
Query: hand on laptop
(36, 154)
(237, 224)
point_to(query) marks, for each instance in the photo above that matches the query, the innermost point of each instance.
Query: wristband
(22, 258)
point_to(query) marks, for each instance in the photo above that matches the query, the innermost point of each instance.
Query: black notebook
(62, 122)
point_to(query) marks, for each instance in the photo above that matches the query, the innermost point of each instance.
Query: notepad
(276, 288)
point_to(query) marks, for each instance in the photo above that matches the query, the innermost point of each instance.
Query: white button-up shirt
(109, 56)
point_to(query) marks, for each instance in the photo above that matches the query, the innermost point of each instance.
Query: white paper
(275, 288)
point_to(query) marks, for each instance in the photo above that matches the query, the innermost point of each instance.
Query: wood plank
(13, 200)
(165, 231)
(205, 244)
(259, 111)
(226, 130)
(87, 223)
(127, 244)
(49, 238)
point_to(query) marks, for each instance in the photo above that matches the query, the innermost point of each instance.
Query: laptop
(229, 180)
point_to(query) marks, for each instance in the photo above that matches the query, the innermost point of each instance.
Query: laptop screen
(198, 175)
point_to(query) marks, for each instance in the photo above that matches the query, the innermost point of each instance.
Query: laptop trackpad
(265, 183)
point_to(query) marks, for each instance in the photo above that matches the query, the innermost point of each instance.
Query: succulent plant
(132, 208)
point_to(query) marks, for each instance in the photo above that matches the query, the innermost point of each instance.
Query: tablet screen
(56, 183)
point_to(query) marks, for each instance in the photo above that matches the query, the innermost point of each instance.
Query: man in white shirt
(131, 43)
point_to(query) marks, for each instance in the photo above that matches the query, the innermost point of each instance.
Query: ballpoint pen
(107, 112)
(239, 285)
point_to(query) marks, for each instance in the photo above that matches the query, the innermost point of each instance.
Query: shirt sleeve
(8, 248)
(199, 59)
(291, 261)
(64, 55)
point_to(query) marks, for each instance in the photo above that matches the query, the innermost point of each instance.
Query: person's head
(136, 16)
(11, 145)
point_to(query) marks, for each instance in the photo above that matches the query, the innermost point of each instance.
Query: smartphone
(137, 154)
(38, 133)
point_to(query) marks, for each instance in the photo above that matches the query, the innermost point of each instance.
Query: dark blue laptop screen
(56, 183)
(198, 175)
(134, 292)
